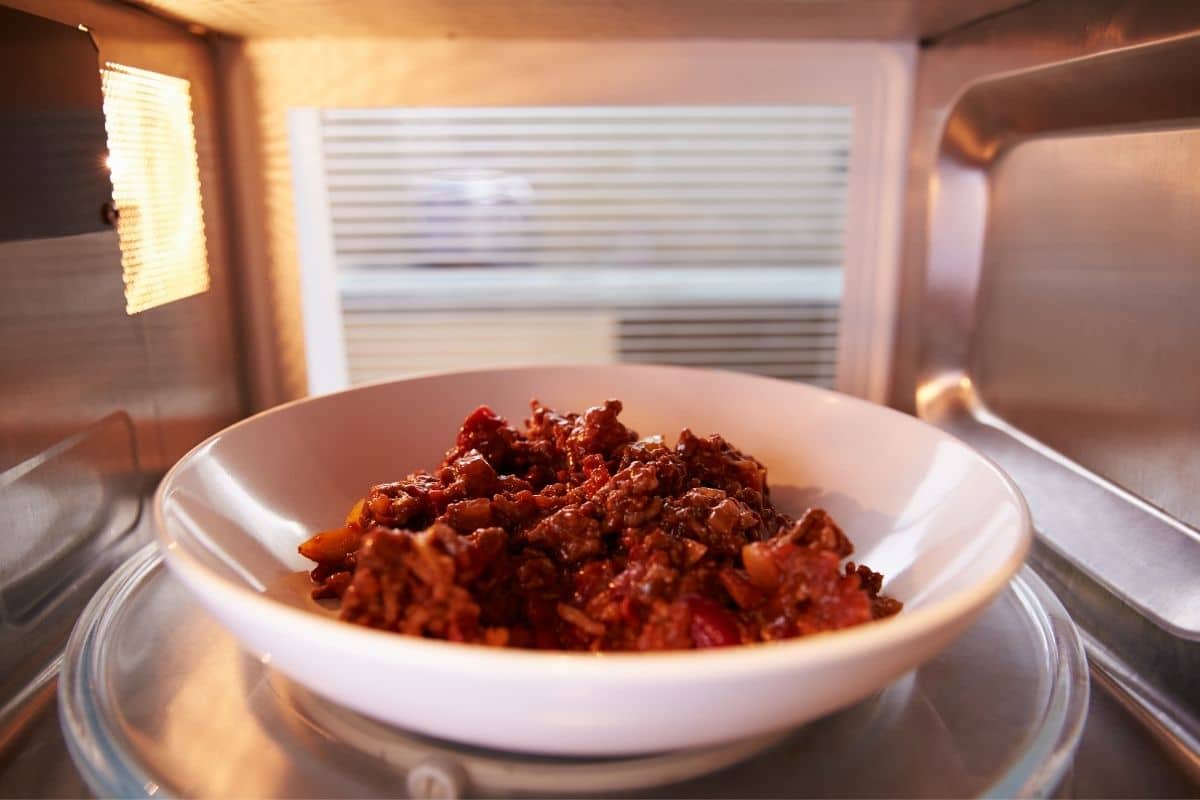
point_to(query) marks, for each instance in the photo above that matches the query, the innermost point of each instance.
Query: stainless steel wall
(1027, 36)
(1052, 278)
(70, 354)
(1050, 314)
(94, 403)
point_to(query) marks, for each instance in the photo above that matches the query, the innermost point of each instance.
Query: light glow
(156, 186)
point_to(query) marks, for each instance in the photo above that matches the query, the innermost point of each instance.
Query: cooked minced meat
(576, 534)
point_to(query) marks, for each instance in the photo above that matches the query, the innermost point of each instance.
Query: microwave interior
(979, 213)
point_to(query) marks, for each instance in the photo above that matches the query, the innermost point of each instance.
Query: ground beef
(576, 534)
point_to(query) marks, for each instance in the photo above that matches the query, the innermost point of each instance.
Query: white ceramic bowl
(944, 525)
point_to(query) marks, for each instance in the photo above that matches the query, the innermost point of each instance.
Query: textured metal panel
(824, 19)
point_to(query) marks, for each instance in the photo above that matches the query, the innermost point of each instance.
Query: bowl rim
(484, 660)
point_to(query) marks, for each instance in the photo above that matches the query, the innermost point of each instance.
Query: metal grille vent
(796, 342)
(706, 236)
(156, 186)
(602, 187)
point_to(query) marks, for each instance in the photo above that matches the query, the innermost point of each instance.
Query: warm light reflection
(156, 186)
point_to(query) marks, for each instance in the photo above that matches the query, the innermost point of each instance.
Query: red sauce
(574, 534)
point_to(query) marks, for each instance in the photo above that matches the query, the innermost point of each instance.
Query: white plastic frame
(873, 78)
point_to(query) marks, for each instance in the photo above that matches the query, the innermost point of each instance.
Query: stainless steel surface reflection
(1088, 320)
(94, 403)
(70, 476)
(1052, 214)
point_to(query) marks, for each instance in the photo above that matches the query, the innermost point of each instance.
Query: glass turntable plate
(157, 700)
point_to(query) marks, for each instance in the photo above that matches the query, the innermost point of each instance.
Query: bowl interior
(920, 507)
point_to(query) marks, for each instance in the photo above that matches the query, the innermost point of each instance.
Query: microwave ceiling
(582, 19)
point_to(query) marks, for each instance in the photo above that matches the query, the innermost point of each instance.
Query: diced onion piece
(331, 546)
(760, 565)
